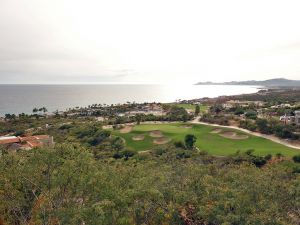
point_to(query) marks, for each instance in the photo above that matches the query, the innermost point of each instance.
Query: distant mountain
(278, 82)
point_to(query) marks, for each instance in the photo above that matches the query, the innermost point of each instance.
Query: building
(297, 117)
(26, 143)
(8, 140)
(237, 103)
(287, 119)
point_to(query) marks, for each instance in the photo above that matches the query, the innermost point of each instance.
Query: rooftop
(28, 141)
(9, 140)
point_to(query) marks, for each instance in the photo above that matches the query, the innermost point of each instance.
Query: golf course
(214, 140)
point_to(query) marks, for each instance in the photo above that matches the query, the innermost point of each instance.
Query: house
(281, 106)
(287, 119)
(297, 117)
(9, 140)
(26, 143)
(37, 141)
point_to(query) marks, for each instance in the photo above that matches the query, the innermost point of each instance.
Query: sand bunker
(187, 126)
(107, 127)
(216, 131)
(138, 137)
(233, 135)
(156, 134)
(126, 129)
(161, 140)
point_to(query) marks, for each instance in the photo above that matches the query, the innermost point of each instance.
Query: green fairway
(213, 143)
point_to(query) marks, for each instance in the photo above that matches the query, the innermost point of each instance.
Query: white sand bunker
(156, 134)
(138, 137)
(233, 135)
(161, 140)
(126, 129)
(216, 131)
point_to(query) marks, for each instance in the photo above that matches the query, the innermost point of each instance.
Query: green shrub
(296, 158)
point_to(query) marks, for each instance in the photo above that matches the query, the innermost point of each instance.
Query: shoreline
(62, 97)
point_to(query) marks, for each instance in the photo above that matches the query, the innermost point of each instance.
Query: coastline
(16, 99)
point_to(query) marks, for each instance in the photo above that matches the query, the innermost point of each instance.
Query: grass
(210, 142)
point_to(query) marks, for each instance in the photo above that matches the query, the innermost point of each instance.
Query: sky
(153, 41)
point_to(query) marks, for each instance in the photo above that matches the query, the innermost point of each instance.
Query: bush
(239, 111)
(279, 155)
(248, 124)
(203, 153)
(249, 152)
(190, 140)
(65, 126)
(159, 151)
(251, 114)
(296, 158)
(268, 157)
(118, 155)
(183, 155)
(258, 161)
(179, 144)
(19, 133)
(128, 153)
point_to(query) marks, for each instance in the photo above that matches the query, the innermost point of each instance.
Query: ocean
(23, 98)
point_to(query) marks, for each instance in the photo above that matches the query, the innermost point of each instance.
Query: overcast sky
(153, 41)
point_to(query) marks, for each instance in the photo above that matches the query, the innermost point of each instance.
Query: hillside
(277, 82)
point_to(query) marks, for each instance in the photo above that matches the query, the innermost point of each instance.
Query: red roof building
(28, 142)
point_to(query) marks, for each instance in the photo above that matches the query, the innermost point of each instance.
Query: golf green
(207, 139)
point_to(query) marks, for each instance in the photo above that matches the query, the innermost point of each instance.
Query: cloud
(148, 42)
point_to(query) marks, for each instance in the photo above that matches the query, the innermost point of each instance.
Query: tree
(44, 109)
(239, 111)
(262, 125)
(138, 118)
(251, 114)
(197, 110)
(190, 140)
(35, 110)
(217, 108)
(10, 116)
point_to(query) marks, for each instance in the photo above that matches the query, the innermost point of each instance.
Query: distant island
(277, 82)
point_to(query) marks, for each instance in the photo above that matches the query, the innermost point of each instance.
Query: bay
(23, 98)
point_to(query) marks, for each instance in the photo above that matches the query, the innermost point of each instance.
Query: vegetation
(67, 185)
(160, 173)
(296, 158)
(190, 141)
